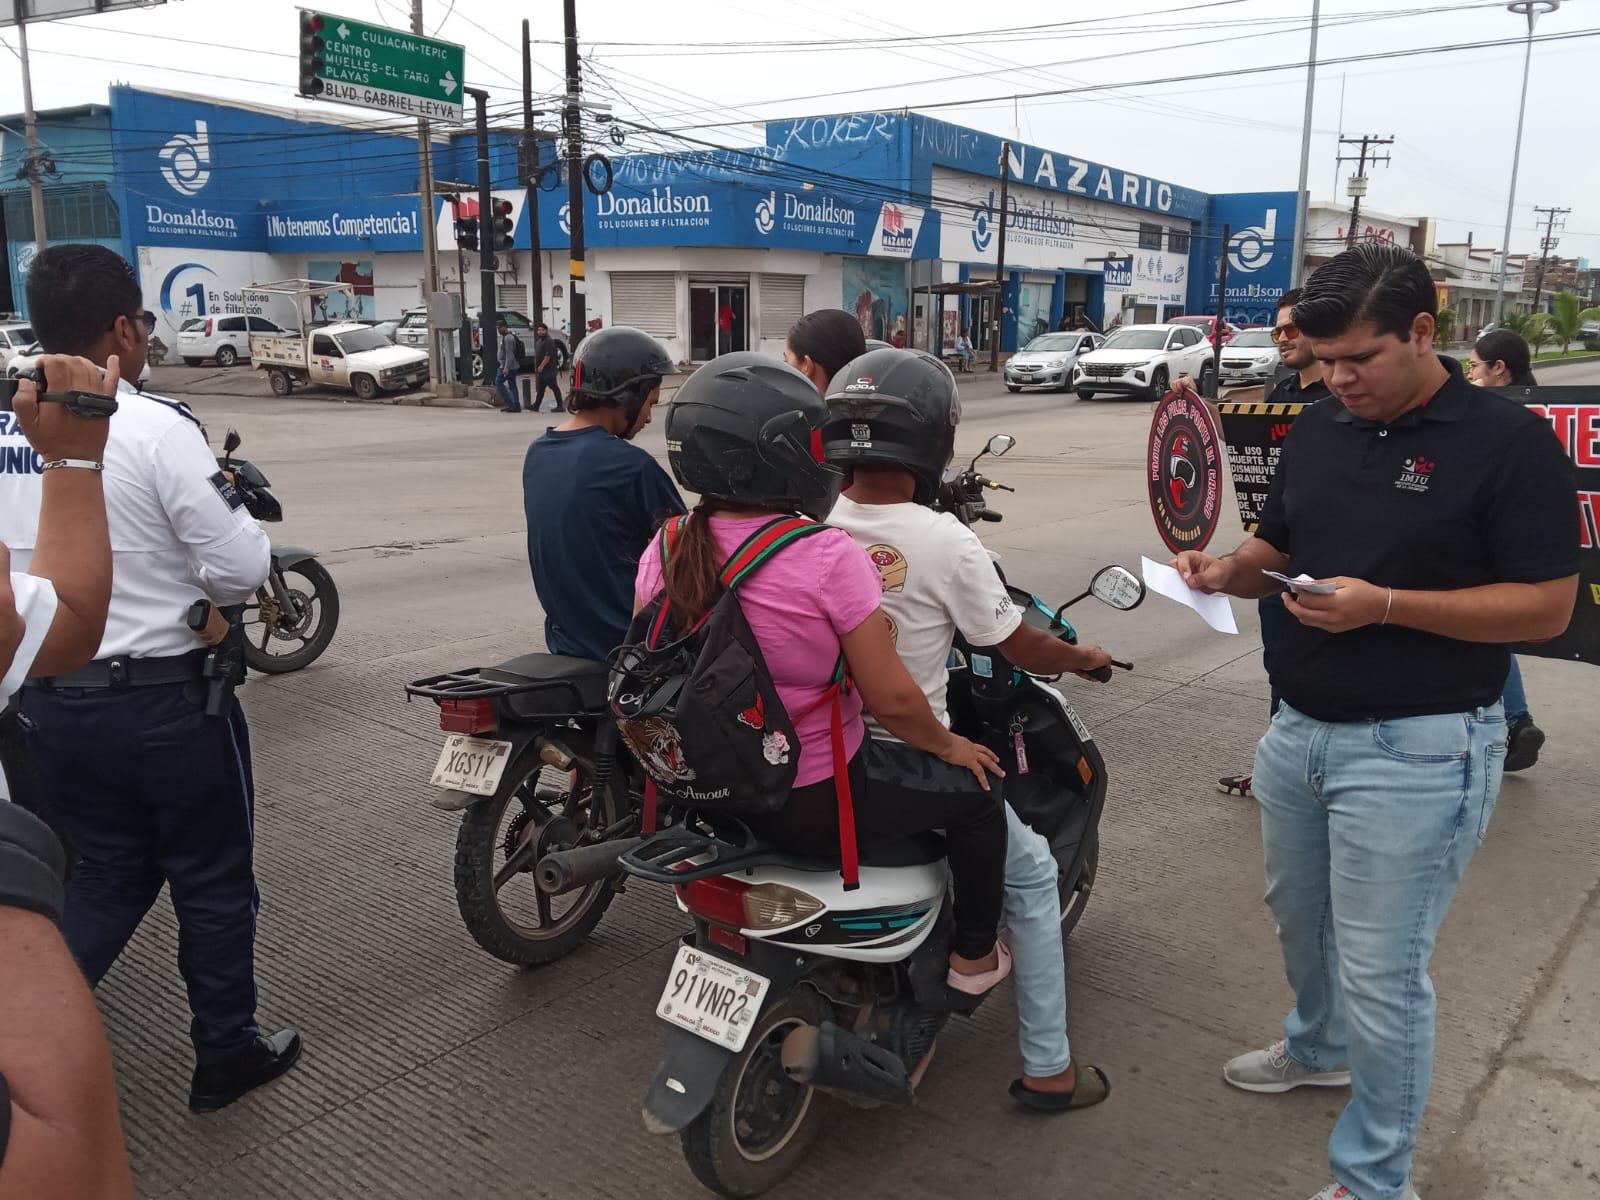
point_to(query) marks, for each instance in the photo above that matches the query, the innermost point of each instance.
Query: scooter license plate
(469, 764)
(712, 998)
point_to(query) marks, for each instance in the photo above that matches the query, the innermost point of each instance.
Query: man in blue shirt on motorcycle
(891, 428)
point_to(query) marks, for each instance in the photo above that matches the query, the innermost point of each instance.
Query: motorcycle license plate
(469, 764)
(711, 998)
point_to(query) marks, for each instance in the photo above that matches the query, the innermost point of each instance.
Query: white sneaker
(1272, 1070)
(1337, 1191)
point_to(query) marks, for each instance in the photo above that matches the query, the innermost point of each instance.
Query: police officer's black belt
(124, 672)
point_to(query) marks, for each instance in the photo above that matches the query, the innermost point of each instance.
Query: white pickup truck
(355, 357)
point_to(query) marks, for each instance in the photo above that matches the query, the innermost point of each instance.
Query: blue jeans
(1367, 827)
(505, 383)
(1516, 697)
(1033, 924)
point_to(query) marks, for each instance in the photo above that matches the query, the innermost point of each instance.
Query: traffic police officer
(151, 788)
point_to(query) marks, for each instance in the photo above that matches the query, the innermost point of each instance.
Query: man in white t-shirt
(891, 427)
(59, 1132)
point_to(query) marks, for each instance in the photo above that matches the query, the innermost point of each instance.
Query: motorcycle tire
(1075, 893)
(741, 1151)
(480, 851)
(323, 593)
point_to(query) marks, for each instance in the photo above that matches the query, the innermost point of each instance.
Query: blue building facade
(886, 214)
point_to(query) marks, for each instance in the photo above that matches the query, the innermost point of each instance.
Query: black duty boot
(1523, 742)
(218, 1084)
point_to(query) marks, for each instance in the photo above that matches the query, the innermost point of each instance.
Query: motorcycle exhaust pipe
(836, 1060)
(567, 870)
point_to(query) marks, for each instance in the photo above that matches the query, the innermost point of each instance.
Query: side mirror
(231, 442)
(1000, 443)
(1118, 587)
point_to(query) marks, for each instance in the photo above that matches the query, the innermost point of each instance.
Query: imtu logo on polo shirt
(1415, 474)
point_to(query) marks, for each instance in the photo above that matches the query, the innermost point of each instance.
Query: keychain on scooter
(1020, 746)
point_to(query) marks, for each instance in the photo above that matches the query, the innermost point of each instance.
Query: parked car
(14, 340)
(1207, 326)
(26, 356)
(1142, 360)
(1589, 334)
(224, 337)
(1249, 358)
(413, 331)
(350, 355)
(1047, 361)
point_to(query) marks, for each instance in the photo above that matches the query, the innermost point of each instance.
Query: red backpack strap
(763, 544)
(651, 804)
(669, 534)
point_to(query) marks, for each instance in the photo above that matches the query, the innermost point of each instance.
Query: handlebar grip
(990, 515)
(1101, 674)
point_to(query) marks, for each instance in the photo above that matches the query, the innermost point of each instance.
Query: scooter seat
(920, 849)
(566, 675)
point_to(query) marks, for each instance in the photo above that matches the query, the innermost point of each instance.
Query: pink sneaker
(981, 983)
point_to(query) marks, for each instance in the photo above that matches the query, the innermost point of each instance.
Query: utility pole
(530, 173)
(30, 128)
(572, 127)
(426, 208)
(1222, 313)
(1548, 243)
(488, 310)
(997, 308)
(1298, 265)
(1358, 181)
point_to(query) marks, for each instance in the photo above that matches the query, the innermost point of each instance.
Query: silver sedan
(1047, 361)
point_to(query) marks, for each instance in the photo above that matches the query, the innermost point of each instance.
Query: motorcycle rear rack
(471, 685)
(670, 855)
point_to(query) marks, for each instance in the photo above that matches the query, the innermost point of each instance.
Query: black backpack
(701, 713)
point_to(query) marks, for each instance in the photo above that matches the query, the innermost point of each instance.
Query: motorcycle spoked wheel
(760, 1123)
(1075, 892)
(513, 919)
(276, 642)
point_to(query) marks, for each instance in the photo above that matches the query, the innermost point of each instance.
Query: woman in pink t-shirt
(744, 433)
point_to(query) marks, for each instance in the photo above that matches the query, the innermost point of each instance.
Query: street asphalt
(433, 1070)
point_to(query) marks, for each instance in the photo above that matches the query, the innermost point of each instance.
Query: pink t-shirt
(798, 604)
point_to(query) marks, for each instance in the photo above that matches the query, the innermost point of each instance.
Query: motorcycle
(790, 989)
(533, 763)
(293, 616)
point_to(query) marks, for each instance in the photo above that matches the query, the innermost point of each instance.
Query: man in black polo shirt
(1444, 518)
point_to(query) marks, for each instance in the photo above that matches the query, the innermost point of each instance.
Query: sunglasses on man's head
(1291, 330)
(147, 319)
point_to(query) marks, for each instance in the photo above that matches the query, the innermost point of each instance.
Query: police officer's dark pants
(152, 790)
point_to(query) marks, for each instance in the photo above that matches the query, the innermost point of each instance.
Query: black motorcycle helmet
(746, 428)
(620, 365)
(896, 408)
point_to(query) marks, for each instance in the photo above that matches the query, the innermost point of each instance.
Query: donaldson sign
(191, 222)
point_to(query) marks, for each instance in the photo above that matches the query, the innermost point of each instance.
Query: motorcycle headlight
(774, 906)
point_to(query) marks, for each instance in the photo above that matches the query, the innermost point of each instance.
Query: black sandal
(1092, 1089)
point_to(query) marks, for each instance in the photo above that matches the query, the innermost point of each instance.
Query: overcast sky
(1453, 115)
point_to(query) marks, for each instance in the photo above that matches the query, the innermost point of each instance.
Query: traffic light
(501, 227)
(466, 231)
(311, 46)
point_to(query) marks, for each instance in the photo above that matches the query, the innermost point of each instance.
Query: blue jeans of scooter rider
(1033, 931)
(1367, 827)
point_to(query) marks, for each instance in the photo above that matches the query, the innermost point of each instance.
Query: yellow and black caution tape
(1237, 409)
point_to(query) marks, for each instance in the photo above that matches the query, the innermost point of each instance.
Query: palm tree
(1516, 322)
(1537, 331)
(1445, 327)
(1565, 319)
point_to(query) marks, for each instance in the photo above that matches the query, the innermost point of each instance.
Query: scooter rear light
(718, 899)
(467, 716)
(774, 906)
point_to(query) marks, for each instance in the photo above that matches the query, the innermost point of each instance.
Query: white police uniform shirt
(36, 605)
(179, 529)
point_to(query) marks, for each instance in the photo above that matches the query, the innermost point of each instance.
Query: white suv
(14, 340)
(1142, 360)
(222, 336)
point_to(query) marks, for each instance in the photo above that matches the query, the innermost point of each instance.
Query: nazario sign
(1184, 470)
(372, 66)
(1254, 435)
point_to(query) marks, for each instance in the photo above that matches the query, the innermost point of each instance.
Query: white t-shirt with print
(36, 605)
(937, 579)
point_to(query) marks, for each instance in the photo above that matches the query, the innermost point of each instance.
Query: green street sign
(391, 70)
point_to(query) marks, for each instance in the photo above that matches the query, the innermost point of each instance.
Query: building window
(71, 214)
(1149, 236)
(1178, 241)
